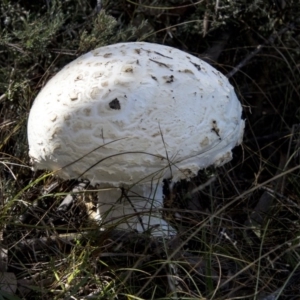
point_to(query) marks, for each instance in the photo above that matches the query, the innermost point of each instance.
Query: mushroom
(127, 116)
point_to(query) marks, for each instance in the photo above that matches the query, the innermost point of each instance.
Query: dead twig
(71, 197)
(269, 41)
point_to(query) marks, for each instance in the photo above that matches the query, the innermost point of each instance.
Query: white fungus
(131, 115)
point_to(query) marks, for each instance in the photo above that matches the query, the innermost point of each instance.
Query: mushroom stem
(136, 208)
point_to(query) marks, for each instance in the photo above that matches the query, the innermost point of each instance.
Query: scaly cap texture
(132, 112)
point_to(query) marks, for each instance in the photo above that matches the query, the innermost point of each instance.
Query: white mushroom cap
(134, 111)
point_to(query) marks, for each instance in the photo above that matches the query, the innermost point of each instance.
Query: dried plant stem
(269, 41)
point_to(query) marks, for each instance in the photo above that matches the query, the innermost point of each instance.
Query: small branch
(44, 243)
(98, 6)
(70, 198)
(204, 185)
(56, 241)
(3, 97)
(269, 41)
